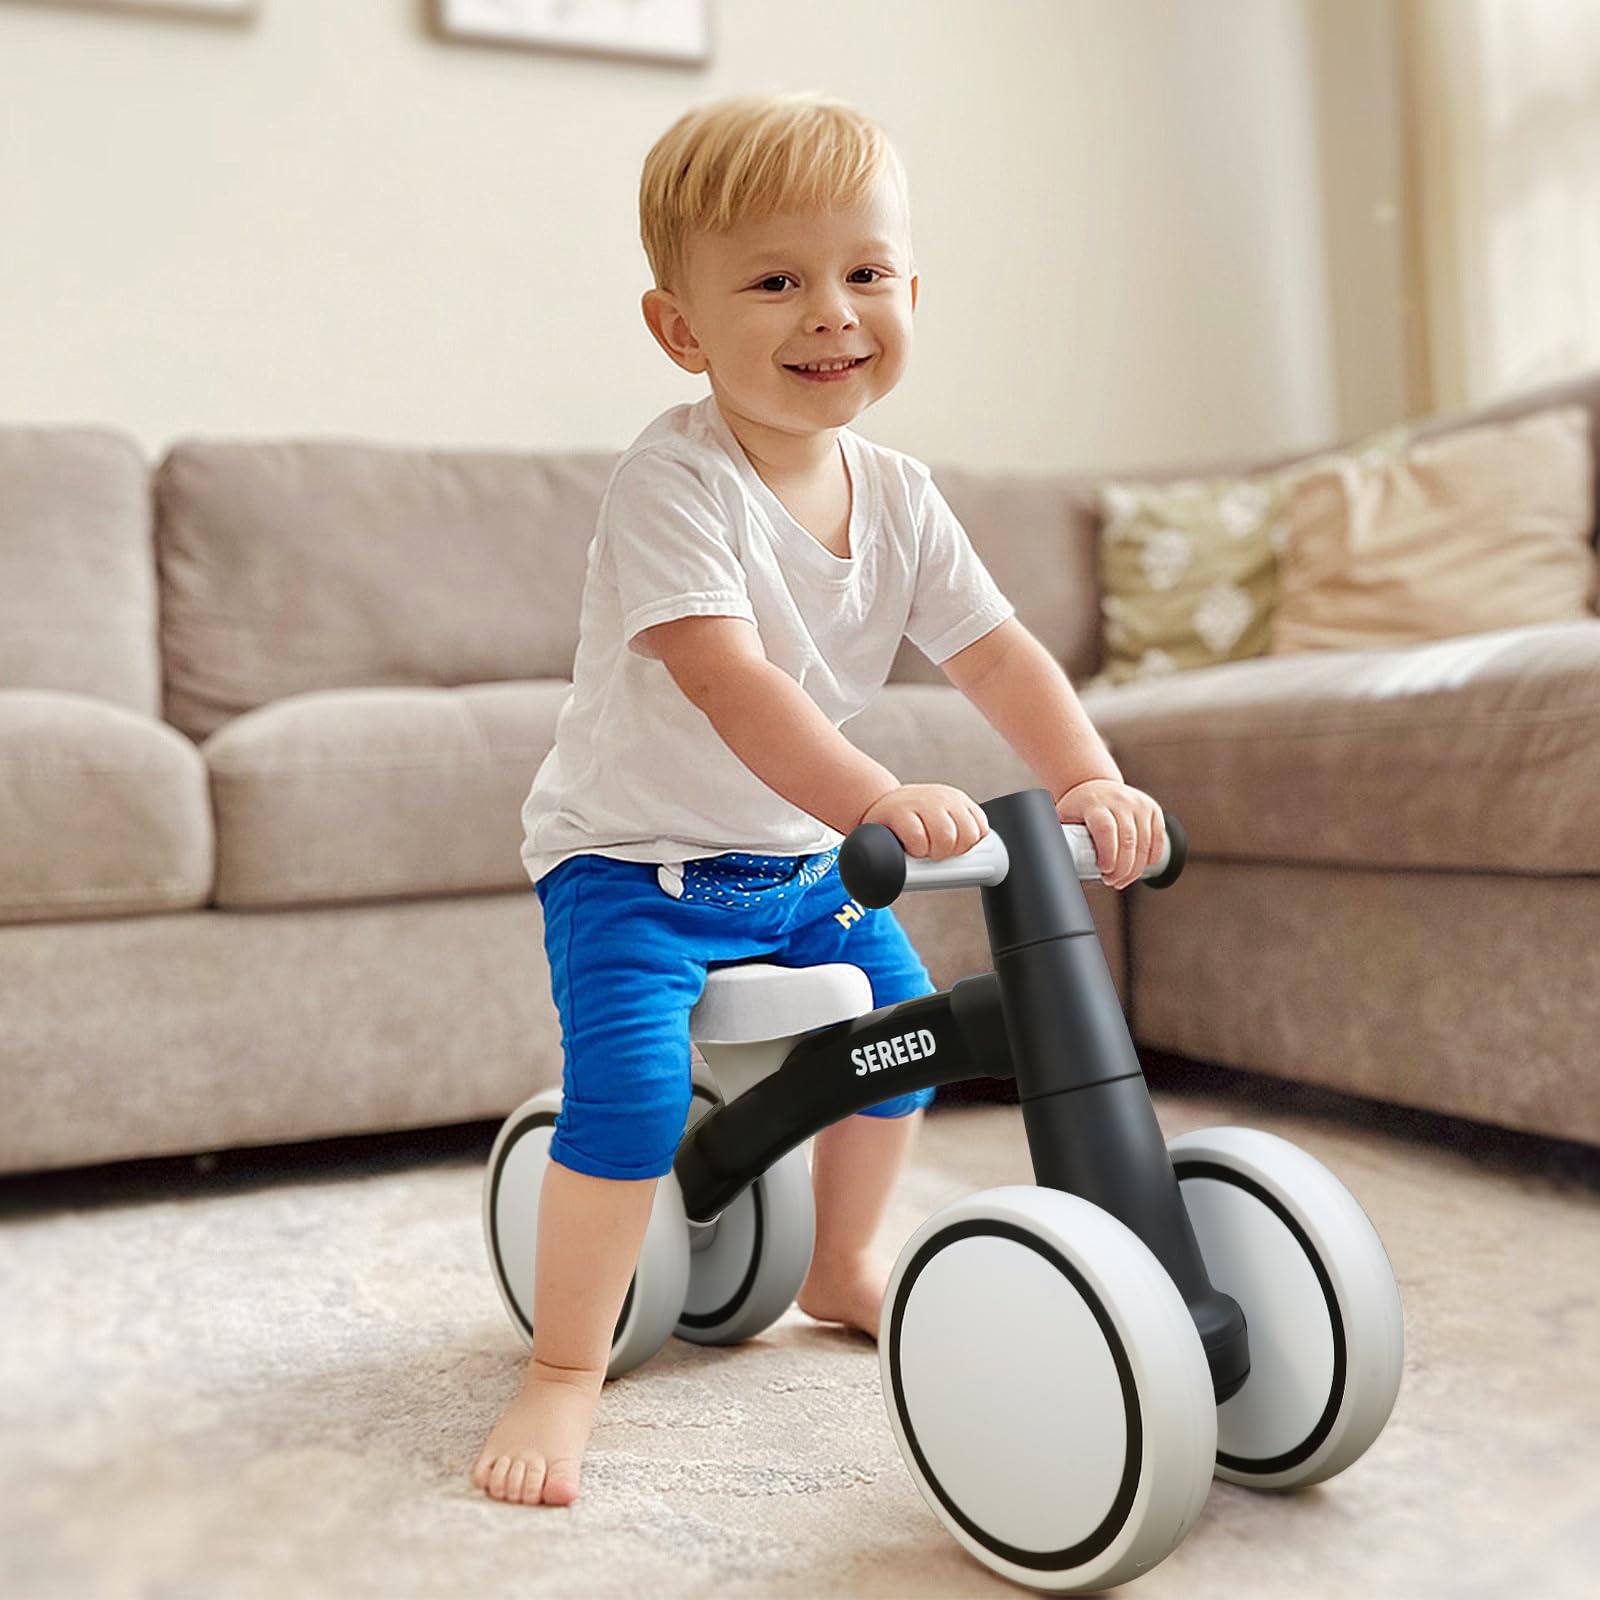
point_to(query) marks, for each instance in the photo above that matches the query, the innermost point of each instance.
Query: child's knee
(622, 1139)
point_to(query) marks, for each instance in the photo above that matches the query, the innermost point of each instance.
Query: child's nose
(831, 313)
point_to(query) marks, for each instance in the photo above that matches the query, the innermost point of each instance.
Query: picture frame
(673, 32)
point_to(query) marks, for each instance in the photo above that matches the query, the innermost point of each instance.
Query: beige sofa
(268, 713)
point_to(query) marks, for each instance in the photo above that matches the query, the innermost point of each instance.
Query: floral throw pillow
(1188, 573)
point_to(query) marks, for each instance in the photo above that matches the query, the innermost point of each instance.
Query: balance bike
(1067, 1363)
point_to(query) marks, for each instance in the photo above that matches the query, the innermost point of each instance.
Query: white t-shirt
(688, 528)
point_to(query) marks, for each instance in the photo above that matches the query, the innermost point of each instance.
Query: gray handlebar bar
(876, 868)
(988, 861)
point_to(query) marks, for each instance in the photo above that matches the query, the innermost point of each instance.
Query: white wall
(329, 222)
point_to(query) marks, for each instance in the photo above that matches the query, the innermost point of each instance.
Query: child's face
(774, 293)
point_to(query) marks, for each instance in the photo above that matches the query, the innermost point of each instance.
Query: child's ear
(913, 291)
(666, 320)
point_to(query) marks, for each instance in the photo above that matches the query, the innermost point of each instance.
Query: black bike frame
(834, 1072)
(1048, 1015)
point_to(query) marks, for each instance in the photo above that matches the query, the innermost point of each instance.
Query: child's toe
(561, 1483)
(514, 1478)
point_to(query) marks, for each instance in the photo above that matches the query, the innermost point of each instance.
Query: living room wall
(328, 221)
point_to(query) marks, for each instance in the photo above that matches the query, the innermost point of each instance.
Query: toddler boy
(754, 568)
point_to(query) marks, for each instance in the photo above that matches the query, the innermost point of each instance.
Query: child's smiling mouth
(826, 375)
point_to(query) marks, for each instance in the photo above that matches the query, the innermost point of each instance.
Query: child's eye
(774, 284)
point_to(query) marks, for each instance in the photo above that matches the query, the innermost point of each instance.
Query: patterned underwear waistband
(771, 869)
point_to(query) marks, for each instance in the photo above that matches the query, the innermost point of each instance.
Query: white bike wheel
(748, 1263)
(511, 1189)
(1047, 1388)
(1289, 1242)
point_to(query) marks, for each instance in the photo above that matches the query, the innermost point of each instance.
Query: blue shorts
(629, 946)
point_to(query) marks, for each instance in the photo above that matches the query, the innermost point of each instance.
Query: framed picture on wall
(656, 30)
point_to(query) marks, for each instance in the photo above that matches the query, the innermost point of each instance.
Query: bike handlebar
(875, 868)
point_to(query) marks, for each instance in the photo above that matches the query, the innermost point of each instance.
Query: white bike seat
(760, 1001)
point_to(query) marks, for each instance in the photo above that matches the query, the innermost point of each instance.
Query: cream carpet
(270, 1377)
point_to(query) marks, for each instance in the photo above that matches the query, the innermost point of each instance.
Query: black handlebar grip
(872, 865)
(1178, 843)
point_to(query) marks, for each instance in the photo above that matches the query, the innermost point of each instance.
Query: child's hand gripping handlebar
(875, 868)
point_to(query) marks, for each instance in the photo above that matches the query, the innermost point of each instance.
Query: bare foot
(848, 1289)
(536, 1448)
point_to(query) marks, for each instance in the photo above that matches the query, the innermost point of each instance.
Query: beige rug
(271, 1379)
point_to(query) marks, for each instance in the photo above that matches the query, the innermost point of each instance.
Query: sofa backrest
(288, 567)
(77, 580)
(294, 566)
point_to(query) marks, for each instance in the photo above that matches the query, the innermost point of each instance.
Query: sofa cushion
(77, 578)
(348, 794)
(291, 567)
(104, 812)
(1480, 753)
(1484, 528)
(1583, 389)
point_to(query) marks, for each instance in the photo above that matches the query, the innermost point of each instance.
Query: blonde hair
(754, 156)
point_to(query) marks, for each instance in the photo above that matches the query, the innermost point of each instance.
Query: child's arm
(778, 731)
(1020, 687)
